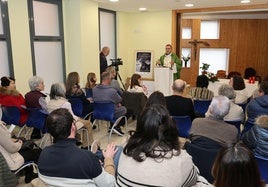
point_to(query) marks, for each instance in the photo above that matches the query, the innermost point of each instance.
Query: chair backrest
(237, 124)
(203, 158)
(89, 92)
(77, 106)
(134, 102)
(201, 106)
(221, 74)
(263, 168)
(11, 115)
(103, 111)
(184, 124)
(36, 119)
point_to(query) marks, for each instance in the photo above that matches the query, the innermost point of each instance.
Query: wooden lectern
(163, 80)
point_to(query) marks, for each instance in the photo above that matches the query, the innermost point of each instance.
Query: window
(107, 29)
(218, 59)
(209, 29)
(6, 62)
(186, 33)
(47, 40)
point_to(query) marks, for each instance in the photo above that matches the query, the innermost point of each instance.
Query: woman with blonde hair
(91, 83)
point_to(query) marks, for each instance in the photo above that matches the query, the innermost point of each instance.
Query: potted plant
(204, 68)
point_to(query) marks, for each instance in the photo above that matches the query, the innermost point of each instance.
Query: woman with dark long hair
(235, 166)
(152, 156)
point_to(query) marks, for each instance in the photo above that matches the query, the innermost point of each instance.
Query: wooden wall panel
(247, 40)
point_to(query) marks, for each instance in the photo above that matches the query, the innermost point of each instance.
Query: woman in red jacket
(9, 96)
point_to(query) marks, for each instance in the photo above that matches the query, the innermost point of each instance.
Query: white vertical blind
(107, 33)
(209, 29)
(46, 21)
(218, 59)
(4, 68)
(48, 60)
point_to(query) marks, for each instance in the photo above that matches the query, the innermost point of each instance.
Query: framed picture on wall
(144, 63)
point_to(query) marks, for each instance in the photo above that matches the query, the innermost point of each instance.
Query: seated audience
(152, 155)
(213, 126)
(156, 97)
(114, 83)
(236, 112)
(73, 90)
(235, 166)
(35, 99)
(238, 83)
(9, 96)
(200, 92)
(14, 154)
(259, 105)
(91, 83)
(257, 137)
(135, 84)
(105, 92)
(178, 105)
(58, 100)
(64, 164)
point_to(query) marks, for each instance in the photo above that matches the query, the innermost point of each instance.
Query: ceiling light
(142, 9)
(189, 5)
(245, 1)
(114, 0)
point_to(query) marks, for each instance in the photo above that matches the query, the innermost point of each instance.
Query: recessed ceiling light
(142, 9)
(245, 1)
(189, 5)
(114, 0)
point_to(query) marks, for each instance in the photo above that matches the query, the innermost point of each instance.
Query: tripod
(117, 74)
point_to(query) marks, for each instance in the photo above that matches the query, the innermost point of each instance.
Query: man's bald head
(178, 85)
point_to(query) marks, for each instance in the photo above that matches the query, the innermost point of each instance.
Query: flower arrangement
(211, 76)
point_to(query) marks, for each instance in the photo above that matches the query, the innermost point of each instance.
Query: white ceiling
(163, 5)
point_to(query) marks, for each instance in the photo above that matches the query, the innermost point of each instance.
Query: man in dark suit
(103, 61)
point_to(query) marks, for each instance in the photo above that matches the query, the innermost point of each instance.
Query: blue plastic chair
(201, 106)
(89, 92)
(105, 111)
(236, 124)
(263, 167)
(11, 115)
(36, 119)
(184, 124)
(77, 107)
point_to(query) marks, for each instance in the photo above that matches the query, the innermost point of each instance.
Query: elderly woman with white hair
(236, 112)
(35, 99)
(212, 126)
(58, 100)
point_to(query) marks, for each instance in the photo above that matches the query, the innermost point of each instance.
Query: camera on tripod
(116, 62)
